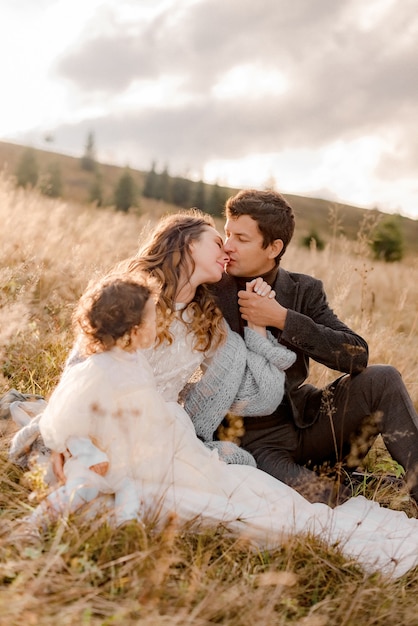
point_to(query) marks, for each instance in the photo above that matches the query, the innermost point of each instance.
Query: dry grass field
(88, 574)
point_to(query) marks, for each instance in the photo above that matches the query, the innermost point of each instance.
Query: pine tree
(88, 160)
(151, 182)
(199, 196)
(217, 199)
(52, 184)
(96, 190)
(313, 239)
(387, 241)
(181, 191)
(27, 172)
(163, 191)
(125, 192)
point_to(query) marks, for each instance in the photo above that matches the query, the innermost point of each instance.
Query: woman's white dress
(146, 433)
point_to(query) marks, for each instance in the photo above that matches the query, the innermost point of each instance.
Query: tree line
(159, 185)
(184, 192)
(386, 241)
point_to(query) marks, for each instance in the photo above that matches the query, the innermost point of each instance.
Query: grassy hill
(84, 572)
(76, 181)
(312, 214)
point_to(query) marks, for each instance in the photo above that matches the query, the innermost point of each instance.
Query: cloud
(348, 70)
(203, 42)
(106, 64)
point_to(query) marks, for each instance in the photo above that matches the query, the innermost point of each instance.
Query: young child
(115, 319)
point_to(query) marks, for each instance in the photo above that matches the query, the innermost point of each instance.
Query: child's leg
(127, 502)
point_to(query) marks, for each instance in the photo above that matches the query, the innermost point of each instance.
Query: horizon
(285, 193)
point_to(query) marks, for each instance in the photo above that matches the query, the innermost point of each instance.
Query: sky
(313, 97)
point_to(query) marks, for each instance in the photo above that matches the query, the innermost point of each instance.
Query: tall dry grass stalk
(50, 250)
(94, 575)
(377, 299)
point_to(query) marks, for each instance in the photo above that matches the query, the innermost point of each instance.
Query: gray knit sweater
(243, 379)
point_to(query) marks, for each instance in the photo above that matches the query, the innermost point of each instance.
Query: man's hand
(261, 308)
(57, 462)
(100, 468)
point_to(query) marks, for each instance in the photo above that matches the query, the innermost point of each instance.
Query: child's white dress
(147, 435)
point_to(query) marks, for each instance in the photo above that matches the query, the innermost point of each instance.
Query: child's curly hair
(110, 308)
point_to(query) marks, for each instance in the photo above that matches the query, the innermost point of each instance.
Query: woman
(184, 253)
(177, 473)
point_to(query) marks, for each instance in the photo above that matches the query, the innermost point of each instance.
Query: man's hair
(273, 214)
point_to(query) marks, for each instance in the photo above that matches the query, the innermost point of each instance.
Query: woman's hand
(261, 289)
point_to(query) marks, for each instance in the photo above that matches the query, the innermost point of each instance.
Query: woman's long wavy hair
(167, 258)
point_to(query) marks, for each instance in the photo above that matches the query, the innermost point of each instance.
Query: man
(311, 426)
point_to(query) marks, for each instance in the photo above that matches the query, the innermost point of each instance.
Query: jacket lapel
(286, 290)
